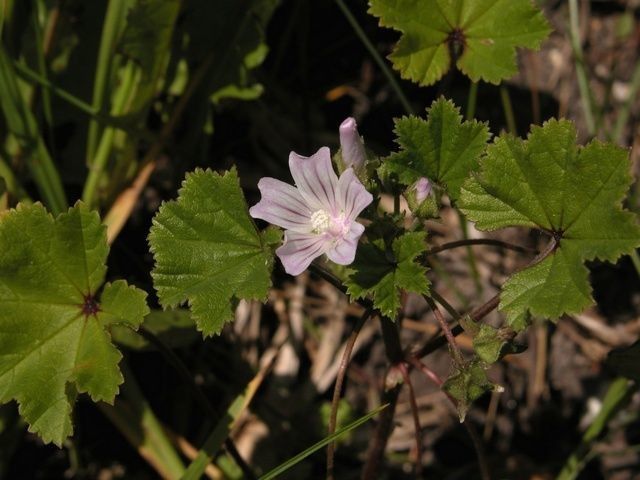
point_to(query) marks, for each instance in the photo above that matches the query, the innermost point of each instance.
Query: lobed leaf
(383, 273)
(482, 34)
(54, 330)
(572, 194)
(442, 148)
(208, 251)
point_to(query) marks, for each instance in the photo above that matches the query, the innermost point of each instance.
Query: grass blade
(321, 444)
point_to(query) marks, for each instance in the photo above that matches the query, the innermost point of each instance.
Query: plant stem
(476, 315)
(471, 258)
(617, 396)
(480, 241)
(416, 418)
(508, 110)
(472, 100)
(376, 56)
(623, 113)
(479, 448)
(375, 454)
(442, 301)
(581, 72)
(113, 23)
(99, 162)
(23, 126)
(455, 349)
(29, 75)
(335, 402)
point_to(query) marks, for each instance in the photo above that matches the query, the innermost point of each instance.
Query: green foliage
(384, 272)
(208, 251)
(467, 383)
(572, 194)
(54, 331)
(481, 34)
(442, 148)
(147, 36)
(233, 32)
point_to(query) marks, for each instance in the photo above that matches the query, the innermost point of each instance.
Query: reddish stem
(335, 402)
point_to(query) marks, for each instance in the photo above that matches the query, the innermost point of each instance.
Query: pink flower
(422, 188)
(319, 216)
(353, 154)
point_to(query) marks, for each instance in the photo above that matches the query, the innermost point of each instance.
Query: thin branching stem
(478, 446)
(430, 374)
(581, 71)
(337, 390)
(480, 241)
(406, 377)
(451, 340)
(376, 56)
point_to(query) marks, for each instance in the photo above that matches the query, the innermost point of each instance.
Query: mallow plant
(211, 249)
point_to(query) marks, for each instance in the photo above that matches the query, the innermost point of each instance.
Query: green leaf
(491, 344)
(208, 251)
(442, 148)
(54, 330)
(571, 193)
(384, 272)
(482, 33)
(467, 383)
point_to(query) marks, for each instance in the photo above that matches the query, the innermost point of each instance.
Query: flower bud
(353, 154)
(422, 188)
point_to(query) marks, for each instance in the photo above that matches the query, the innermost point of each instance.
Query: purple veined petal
(300, 249)
(315, 179)
(353, 154)
(344, 252)
(352, 196)
(422, 188)
(282, 205)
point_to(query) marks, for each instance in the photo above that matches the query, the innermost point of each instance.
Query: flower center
(320, 221)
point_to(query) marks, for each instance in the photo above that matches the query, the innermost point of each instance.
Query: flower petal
(344, 252)
(300, 249)
(316, 180)
(422, 188)
(352, 196)
(353, 154)
(281, 204)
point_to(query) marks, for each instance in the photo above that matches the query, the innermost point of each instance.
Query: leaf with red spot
(479, 36)
(55, 315)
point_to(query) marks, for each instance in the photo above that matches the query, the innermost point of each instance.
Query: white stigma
(320, 221)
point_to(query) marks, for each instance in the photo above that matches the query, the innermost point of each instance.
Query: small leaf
(442, 148)
(384, 273)
(54, 331)
(467, 383)
(482, 33)
(491, 344)
(208, 251)
(572, 194)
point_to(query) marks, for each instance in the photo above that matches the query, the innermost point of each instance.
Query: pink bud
(353, 154)
(422, 188)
